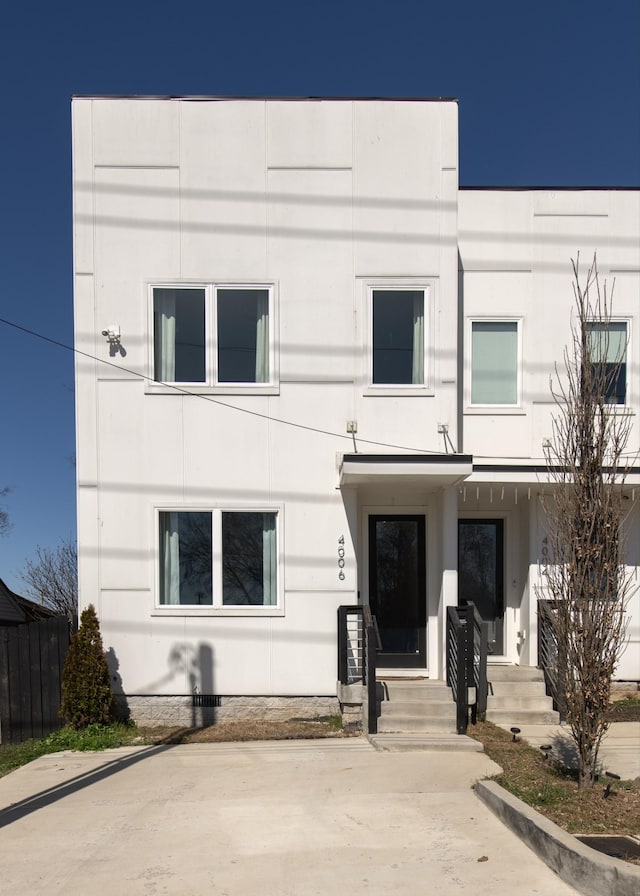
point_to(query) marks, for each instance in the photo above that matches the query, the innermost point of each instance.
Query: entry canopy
(425, 470)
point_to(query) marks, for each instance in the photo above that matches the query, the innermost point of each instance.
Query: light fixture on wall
(112, 333)
(352, 427)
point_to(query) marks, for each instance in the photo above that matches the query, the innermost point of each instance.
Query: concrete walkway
(295, 817)
(619, 751)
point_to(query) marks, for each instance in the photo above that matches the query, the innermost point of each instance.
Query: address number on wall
(341, 558)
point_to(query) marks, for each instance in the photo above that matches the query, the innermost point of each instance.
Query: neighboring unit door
(480, 574)
(397, 588)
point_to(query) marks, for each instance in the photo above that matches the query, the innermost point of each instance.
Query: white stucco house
(313, 371)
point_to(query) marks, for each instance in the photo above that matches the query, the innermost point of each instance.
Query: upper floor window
(398, 337)
(608, 348)
(494, 362)
(179, 335)
(214, 335)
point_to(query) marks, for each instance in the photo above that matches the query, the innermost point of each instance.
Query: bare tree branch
(585, 579)
(5, 523)
(52, 579)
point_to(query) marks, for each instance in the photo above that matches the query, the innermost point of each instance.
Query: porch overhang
(425, 470)
(535, 473)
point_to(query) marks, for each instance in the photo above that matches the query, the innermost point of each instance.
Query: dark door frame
(499, 523)
(399, 659)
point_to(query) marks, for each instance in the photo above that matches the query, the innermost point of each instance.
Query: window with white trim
(608, 347)
(398, 336)
(215, 335)
(218, 558)
(494, 362)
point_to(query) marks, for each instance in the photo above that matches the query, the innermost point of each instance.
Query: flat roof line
(286, 99)
(540, 188)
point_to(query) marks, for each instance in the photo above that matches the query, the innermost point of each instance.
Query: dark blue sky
(549, 94)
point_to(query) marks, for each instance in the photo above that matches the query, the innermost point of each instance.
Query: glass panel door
(397, 584)
(480, 574)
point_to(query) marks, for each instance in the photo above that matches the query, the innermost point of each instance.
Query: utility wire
(232, 407)
(181, 390)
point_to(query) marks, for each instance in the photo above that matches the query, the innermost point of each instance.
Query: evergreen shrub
(87, 698)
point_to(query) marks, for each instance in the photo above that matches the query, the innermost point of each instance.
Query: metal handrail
(358, 645)
(466, 661)
(371, 640)
(350, 644)
(480, 657)
(457, 666)
(551, 658)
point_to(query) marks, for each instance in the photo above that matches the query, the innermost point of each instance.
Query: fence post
(462, 710)
(5, 714)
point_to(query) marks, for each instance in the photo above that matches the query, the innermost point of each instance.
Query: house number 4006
(341, 558)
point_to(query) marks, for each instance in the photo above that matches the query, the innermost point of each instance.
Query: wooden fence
(31, 661)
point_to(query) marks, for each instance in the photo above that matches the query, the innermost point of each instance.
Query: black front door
(397, 588)
(480, 574)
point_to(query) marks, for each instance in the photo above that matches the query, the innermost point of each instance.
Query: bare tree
(585, 576)
(4, 516)
(52, 579)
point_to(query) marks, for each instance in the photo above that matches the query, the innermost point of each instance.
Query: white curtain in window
(417, 376)
(608, 342)
(165, 335)
(269, 560)
(170, 558)
(494, 362)
(262, 336)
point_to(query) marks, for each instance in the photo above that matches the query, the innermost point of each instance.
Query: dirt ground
(553, 790)
(249, 729)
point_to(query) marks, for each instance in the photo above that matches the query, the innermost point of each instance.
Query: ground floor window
(218, 558)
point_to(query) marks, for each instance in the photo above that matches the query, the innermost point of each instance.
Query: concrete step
(423, 708)
(411, 707)
(433, 740)
(394, 693)
(514, 673)
(423, 684)
(522, 688)
(515, 702)
(519, 717)
(413, 724)
(517, 697)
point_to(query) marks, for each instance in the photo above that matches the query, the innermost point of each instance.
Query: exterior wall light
(112, 333)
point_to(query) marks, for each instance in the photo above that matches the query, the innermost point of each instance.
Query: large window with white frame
(218, 558)
(213, 334)
(495, 363)
(398, 336)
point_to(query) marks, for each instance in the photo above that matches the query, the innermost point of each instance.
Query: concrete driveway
(289, 817)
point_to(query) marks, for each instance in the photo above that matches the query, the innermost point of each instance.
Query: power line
(232, 407)
(181, 390)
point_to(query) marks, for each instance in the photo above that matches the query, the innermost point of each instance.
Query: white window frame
(517, 407)
(211, 384)
(397, 284)
(217, 608)
(626, 407)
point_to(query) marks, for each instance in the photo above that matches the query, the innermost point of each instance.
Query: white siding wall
(516, 249)
(317, 198)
